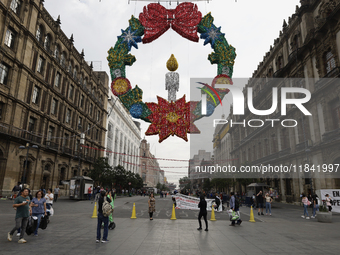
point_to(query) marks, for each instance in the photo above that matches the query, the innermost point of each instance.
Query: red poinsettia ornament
(170, 118)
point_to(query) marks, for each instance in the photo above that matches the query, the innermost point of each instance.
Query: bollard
(133, 216)
(94, 214)
(173, 215)
(251, 215)
(212, 214)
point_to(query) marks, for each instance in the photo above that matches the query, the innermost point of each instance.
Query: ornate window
(329, 61)
(47, 43)
(39, 33)
(3, 73)
(15, 6)
(10, 38)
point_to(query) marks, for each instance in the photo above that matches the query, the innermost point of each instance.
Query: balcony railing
(66, 150)
(331, 135)
(51, 145)
(19, 133)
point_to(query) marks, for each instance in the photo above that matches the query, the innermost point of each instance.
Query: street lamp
(26, 162)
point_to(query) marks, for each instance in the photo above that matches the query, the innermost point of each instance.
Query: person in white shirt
(49, 199)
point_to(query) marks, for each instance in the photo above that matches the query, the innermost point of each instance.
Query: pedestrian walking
(15, 191)
(56, 193)
(269, 201)
(217, 202)
(306, 203)
(49, 199)
(329, 201)
(235, 206)
(315, 205)
(111, 195)
(102, 219)
(203, 213)
(38, 207)
(259, 200)
(89, 192)
(152, 205)
(22, 204)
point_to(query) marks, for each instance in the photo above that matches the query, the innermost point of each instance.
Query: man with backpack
(235, 206)
(104, 210)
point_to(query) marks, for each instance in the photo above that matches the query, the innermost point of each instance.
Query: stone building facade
(150, 170)
(49, 95)
(122, 137)
(307, 50)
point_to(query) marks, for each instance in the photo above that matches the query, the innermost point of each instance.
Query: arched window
(62, 58)
(57, 52)
(15, 6)
(329, 61)
(39, 34)
(279, 62)
(70, 67)
(47, 43)
(75, 73)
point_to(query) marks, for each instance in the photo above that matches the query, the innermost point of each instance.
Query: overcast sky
(249, 25)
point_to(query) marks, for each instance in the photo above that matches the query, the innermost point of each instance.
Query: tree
(101, 172)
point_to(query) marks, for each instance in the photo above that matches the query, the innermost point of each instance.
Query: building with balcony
(49, 95)
(150, 169)
(306, 54)
(123, 136)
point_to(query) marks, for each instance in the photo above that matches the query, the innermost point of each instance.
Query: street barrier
(251, 215)
(133, 216)
(173, 215)
(94, 214)
(212, 215)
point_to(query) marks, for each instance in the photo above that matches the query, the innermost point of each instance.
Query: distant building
(123, 136)
(150, 169)
(49, 95)
(203, 158)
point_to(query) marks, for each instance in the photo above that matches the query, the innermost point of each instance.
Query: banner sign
(191, 203)
(334, 194)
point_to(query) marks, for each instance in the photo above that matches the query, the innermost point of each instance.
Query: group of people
(25, 206)
(263, 201)
(313, 201)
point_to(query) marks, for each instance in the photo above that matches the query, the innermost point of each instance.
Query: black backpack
(237, 203)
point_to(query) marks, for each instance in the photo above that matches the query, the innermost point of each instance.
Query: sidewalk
(72, 231)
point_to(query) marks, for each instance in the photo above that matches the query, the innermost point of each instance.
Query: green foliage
(184, 183)
(101, 172)
(323, 208)
(104, 175)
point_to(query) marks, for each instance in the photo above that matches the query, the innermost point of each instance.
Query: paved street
(72, 231)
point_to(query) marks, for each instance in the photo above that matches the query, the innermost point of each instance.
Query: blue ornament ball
(210, 108)
(136, 110)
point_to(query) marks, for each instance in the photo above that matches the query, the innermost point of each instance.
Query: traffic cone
(212, 214)
(173, 215)
(251, 215)
(133, 216)
(94, 214)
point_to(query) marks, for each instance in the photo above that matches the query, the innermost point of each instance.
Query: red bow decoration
(156, 20)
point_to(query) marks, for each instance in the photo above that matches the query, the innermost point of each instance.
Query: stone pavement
(72, 231)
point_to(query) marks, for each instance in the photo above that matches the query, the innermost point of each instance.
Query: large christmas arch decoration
(170, 117)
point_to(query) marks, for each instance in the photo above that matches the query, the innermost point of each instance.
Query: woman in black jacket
(203, 212)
